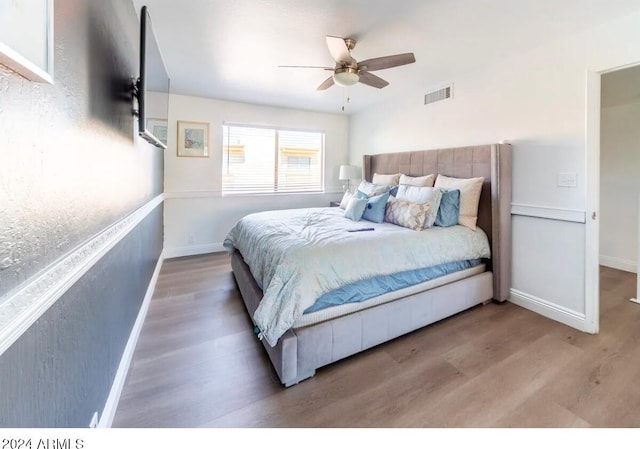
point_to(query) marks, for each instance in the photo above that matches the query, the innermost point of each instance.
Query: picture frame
(158, 127)
(193, 139)
(30, 54)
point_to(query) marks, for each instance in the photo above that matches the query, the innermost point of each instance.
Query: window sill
(218, 194)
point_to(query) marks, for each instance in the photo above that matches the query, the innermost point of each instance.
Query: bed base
(299, 352)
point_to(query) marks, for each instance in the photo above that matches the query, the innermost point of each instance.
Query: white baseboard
(170, 253)
(553, 311)
(109, 411)
(619, 264)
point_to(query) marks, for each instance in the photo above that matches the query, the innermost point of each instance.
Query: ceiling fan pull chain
(345, 93)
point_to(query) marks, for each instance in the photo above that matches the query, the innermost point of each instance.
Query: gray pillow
(449, 209)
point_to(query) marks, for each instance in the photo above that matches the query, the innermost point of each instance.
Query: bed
(299, 343)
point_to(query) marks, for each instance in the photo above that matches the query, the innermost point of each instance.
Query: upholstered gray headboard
(493, 162)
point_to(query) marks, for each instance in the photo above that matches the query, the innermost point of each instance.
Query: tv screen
(153, 86)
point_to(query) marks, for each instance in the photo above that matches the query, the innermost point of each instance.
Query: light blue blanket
(298, 255)
(369, 288)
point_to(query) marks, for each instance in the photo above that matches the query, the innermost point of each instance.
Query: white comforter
(297, 255)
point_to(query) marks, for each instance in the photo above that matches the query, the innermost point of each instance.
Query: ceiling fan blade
(305, 67)
(326, 84)
(386, 62)
(339, 50)
(372, 80)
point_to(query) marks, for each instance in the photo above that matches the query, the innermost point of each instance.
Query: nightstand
(334, 204)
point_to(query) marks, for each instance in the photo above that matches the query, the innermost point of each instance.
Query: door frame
(592, 222)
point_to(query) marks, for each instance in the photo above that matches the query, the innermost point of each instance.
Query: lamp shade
(348, 172)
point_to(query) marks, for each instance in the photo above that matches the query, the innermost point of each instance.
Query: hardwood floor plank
(482, 352)
(597, 384)
(487, 397)
(199, 364)
(541, 412)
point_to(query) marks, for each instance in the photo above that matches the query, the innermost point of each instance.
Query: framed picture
(193, 139)
(26, 38)
(158, 127)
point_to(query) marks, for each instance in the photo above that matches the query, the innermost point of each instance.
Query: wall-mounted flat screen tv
(153, 86)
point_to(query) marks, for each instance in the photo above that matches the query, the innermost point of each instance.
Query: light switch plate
(567, 179)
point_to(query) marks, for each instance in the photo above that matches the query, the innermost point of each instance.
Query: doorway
(613, 190)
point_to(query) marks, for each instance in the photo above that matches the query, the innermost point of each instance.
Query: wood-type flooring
(198, 364)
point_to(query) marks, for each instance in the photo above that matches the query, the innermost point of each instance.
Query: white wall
(620, 184)
(537, 101)
(197, 216)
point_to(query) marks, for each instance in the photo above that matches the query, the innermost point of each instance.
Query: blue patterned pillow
(355, 208)
(449, 208)
(375, 206)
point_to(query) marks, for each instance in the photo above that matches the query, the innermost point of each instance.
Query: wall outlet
(191, 239)
(567, 179)
(94, 421)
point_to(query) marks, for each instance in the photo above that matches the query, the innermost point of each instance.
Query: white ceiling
(231, 49)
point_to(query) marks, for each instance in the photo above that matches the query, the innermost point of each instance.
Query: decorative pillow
(420, 181)
(386, 180)
(407, 214)
(355, 208)
(345, 199)
(449, 208)
(376, 206)
(470, 189)
(370, 189)
(422, 195)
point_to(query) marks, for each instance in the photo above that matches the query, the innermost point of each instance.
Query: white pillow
(470, 189)
(345, 199)
(370, 189)
(420, 181)
(422, 195)
(386, 180)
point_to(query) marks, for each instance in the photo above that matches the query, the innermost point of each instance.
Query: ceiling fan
(348, 71)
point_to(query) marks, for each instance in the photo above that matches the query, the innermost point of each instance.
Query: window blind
(271, 160)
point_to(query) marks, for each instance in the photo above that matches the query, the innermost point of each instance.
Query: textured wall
(71, 164)
(61, 370)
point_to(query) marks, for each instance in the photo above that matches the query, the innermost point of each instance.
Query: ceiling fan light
(346, 76)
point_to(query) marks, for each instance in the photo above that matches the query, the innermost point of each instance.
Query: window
(271, 160)
(298, 164)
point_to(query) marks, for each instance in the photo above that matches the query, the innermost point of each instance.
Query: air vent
(443, 93)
